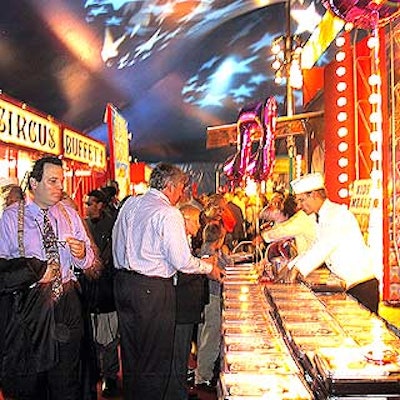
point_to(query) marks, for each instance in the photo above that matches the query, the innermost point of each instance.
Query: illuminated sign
(118, 136)
(84, 149)
(321, 38)
(24, 128)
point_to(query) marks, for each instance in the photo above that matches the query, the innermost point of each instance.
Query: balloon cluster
(254, 122)
(365, 14)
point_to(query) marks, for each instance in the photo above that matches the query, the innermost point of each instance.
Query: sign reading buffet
(83, 149)
(27, 129)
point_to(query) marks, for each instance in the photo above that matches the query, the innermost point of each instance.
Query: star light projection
(233, 74)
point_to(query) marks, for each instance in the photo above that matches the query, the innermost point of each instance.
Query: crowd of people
(136, 284)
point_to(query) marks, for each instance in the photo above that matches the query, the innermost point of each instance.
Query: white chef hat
(6, 181)
(307, 183)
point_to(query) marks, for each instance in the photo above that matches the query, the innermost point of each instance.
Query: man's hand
(292, 275)
(77, 247)
(217, 273)
(258, 240)
(286, 275)
(49, 273)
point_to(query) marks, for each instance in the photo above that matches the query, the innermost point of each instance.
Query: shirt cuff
(291, 264)
(204, 267)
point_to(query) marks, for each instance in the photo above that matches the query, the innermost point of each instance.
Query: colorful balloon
(366, 14)
(262, 163)
(249, 125)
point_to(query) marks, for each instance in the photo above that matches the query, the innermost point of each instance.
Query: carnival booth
(310, 340)
(27, 134)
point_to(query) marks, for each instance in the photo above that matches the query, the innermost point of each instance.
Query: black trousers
(177, 387)
(367, 293)
(146, 313)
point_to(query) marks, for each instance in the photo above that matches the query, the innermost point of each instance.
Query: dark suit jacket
(191, 297)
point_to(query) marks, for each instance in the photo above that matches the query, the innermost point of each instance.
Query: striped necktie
(53, 256)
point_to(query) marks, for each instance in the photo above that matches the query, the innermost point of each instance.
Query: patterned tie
(53, 256)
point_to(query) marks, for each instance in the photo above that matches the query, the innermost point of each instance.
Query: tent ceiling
(173, 68)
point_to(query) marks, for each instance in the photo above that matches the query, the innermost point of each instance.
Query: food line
(287, 342)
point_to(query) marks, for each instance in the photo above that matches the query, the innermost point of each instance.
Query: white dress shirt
(149, 238)
(340, 245)
(300, 226)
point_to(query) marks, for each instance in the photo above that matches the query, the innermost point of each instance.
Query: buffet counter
(287, 342)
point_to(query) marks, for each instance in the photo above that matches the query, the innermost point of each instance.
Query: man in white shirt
(149, 246)
(339, 243)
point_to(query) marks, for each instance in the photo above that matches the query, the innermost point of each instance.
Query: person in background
(14, 194)
(238, 233)
(102, 306)
(272, 213)
(114, 201)
(10, 193)
(149, 247)
(340, 243)
(217, 208)
(44, 333)
(209, 332)
(110, 193)
(190, 302)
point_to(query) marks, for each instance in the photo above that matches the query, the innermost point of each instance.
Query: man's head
(46, 181)
(310, 192)
(191, 215)
(169, 180)
(15, 194)
(277, 201)
(214, 233)
(95, 203)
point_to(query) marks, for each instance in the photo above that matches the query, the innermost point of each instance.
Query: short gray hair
(164, 173)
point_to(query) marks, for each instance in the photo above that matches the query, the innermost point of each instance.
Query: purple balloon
(366, 14)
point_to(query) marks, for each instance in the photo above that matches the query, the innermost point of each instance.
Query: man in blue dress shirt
(43, 336)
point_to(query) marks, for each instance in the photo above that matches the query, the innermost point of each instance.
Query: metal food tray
(257, 362)
(357, 376)
(246, 386)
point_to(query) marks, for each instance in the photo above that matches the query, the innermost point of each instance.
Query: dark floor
(201, 395)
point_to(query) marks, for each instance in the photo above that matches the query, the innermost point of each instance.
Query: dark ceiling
(171, 67)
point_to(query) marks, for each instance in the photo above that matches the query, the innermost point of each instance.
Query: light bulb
(375, 136)
(341, 101)
(340, 71)
(343, 146)
(341, 86)
(374, 80)
(375, 117)
(375, 155)
(343, 162)
(340, 56)
(343, 177)
(372, 42)
(342, 116)
(342, 132)
(375, 98)
(340, 41)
